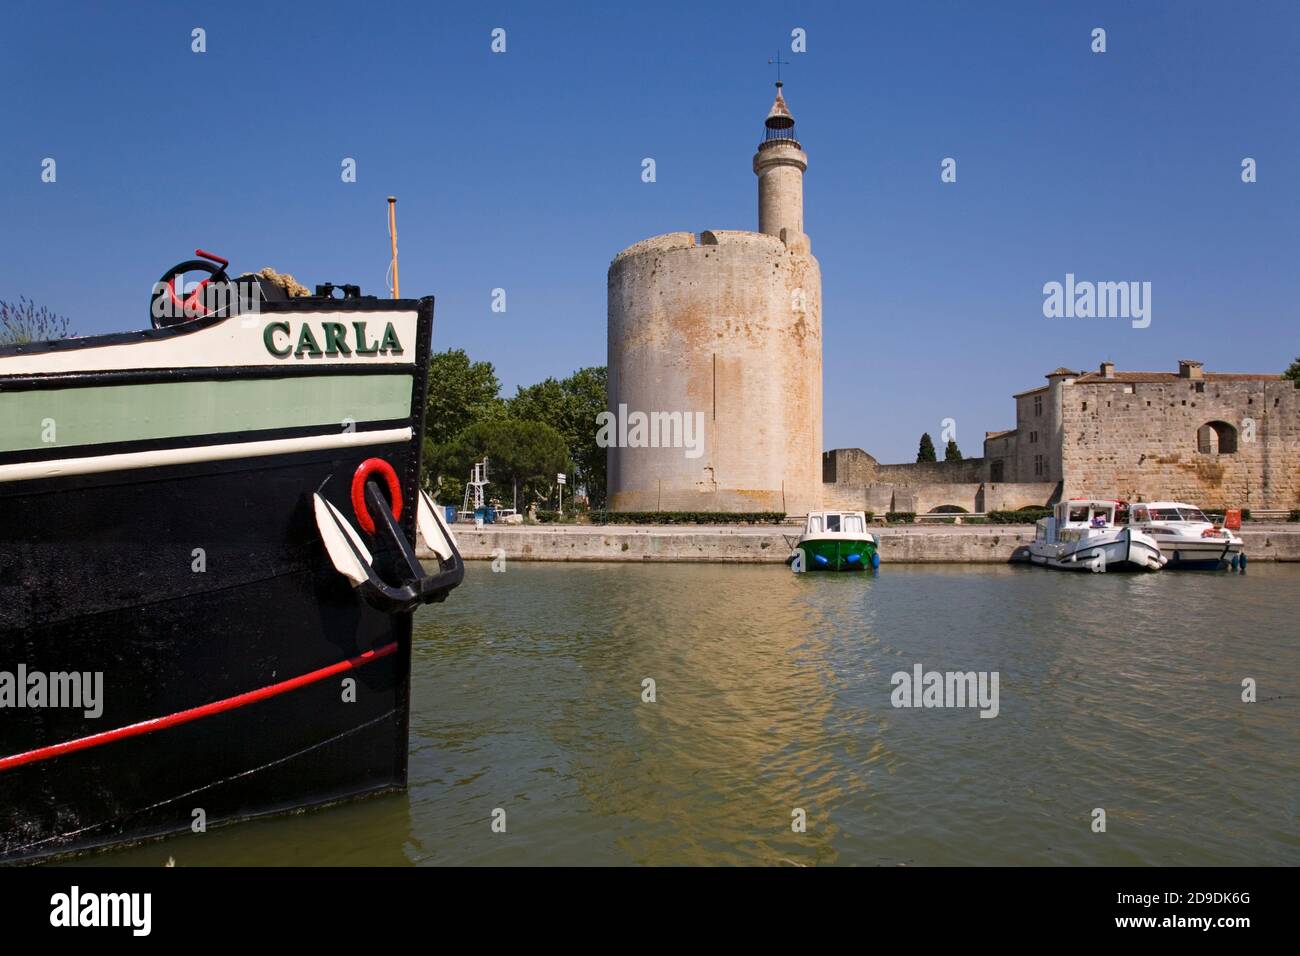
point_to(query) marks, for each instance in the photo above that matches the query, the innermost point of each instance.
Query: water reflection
(1117, 691)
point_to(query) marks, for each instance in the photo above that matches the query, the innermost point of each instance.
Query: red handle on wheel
(214, 258)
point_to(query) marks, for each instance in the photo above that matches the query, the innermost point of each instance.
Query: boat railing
(1256, 514)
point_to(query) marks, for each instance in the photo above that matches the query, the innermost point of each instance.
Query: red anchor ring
(367, 468)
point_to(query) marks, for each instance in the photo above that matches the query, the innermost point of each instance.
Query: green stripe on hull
(120, 413)
(837, 554)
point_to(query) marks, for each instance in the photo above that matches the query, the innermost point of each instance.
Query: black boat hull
(241, 673)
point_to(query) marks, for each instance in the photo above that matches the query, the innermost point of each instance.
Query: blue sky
(522, 171)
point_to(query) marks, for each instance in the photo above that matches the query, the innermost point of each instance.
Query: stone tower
(715, 356)
(780, 164)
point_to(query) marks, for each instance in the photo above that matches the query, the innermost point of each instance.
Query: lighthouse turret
(780, 164)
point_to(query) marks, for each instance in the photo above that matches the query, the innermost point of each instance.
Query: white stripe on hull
(31, 470)
(235, 341)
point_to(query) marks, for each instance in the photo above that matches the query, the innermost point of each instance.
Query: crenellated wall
(854, 480)
(855, 467)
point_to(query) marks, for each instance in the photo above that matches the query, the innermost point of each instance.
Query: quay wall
(768, 544)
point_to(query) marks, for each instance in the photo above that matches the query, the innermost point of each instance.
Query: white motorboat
(1187, 537)
(1081, 535)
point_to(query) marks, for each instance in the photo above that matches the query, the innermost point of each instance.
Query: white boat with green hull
(836, 541)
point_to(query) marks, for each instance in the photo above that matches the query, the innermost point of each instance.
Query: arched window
(1216, 438)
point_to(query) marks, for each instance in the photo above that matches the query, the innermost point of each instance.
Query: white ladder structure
(474, 489)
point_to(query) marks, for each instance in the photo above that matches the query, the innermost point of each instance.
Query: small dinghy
(1189, 539)
(1081, 535)
(836, 541)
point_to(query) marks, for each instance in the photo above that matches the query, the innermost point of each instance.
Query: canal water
(772, 703)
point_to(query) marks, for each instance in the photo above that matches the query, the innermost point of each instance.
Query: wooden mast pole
(392, 234)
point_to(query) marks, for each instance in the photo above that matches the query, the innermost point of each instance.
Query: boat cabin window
(1138, 514)
(832, 522)
(814, 524)
(1079, 513)
(853, 524)
(1165, 514)
(1193, 514)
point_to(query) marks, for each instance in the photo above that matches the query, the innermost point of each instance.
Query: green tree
(461, 393)
(1293, 372)
(447, 488)
(926, 451)
(570, 406)
(587, 390)
(951, 452)
(523, 457)
(464, 394)
(544, 402)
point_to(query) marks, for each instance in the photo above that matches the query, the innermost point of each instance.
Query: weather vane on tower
(778, 62)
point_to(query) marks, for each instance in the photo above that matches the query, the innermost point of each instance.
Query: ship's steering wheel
(166, 308)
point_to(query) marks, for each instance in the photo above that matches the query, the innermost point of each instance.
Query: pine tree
(952, 452)
(926, 451)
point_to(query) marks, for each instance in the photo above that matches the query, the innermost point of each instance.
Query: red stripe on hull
(194, 713)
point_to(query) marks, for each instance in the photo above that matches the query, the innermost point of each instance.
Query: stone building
(1214, 439)
(1210, 438)
(721, 328)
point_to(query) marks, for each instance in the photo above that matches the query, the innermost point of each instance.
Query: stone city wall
(1139, 441)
